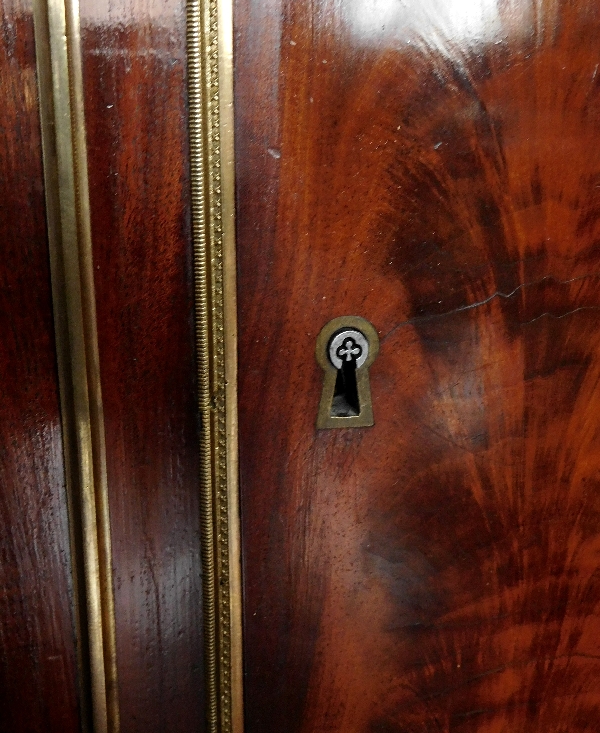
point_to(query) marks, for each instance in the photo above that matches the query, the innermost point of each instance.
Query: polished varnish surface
(432, 166)
(134, 77)
(38, 687)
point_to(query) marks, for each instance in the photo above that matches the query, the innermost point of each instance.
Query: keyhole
(345, 401)
(346, 347)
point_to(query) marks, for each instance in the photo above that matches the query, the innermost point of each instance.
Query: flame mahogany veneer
(435, 170)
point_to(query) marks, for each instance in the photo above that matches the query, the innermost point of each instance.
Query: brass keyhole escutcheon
(346, 348)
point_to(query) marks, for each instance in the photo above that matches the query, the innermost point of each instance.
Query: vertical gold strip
(210, 72)
(233, 551)
(60, 82)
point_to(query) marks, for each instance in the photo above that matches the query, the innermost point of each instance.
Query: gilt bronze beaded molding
(210, 74)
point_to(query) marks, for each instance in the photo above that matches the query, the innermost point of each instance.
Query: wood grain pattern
(134, 77)
(434, 167)
(38, 686)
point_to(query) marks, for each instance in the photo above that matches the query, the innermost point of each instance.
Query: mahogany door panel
(433, 167)
(38, 680)
(135, 103)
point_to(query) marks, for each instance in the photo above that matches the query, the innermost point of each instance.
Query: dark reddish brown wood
(134, 77)
(435, 168)
(38, 686)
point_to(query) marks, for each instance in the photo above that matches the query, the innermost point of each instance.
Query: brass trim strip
(210, 75)
(58, 51)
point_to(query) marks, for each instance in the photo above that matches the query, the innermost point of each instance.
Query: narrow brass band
(210, 72)
(67, 202)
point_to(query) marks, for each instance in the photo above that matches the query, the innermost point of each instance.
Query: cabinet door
(433, 167)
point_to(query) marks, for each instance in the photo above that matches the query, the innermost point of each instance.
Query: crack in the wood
(500, 294)
(548, 314)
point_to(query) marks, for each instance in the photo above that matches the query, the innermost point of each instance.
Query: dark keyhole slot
(345, 396)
